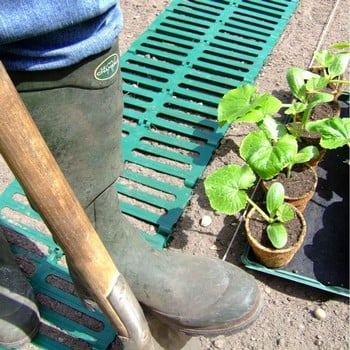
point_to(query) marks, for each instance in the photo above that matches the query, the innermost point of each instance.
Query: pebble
(217, 246)
(219, 343)
(267, 290)
(281, 342)
(318, 342)
(320, 314)
(206, 221)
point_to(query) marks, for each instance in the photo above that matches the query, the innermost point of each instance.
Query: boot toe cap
(226, 301)
(234, 311)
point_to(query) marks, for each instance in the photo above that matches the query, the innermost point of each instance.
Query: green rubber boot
(19, 315)
(79, 115)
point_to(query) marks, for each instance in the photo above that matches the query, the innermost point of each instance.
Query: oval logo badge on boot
(108, 68)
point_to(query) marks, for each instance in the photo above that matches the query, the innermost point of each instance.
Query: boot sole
(223, 329)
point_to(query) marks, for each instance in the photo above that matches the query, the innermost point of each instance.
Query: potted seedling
(273, 154)
(269, 228)
(316, 90)
(332, 65)
(307, 89)
(270, 150)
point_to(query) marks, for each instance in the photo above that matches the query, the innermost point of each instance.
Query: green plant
(335, 132)
(333, 64)
(309, 86)
(244, 104)
(226, 189)
(272, 149)
(307, 89)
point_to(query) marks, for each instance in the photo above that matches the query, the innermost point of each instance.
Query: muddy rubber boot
(79, 112)
(19, 315)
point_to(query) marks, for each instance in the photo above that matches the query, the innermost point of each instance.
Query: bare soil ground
(288, 320)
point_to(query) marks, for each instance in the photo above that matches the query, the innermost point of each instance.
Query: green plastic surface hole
(70, 313)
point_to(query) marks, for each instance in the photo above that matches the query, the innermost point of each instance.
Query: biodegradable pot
(322, 110)
(312, 139)
(326, 110)
(269, 256)
(313, 163)
(299, 201)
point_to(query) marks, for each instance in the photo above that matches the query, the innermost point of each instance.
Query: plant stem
(335, 81)
(260, 211)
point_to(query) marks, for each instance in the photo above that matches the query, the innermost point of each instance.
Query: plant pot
(313, 163)
(325, 110)
(303, 177)
(264, 252)
(322, 110)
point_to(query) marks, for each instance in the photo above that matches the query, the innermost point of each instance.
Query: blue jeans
(48, 34)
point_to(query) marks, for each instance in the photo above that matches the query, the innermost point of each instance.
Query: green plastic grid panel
(174, 76)
(38, 252)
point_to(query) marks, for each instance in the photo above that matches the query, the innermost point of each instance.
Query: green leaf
(285, 213)
(245, 177)
(321, 97)
(316, 84)
(324, 57)
(225, 188)
(274, 198)
(339, 65)
(335, 132)
(277, 235)
(268, 104)
(235, 103)
(243, 104)
(341, 46)
(296, 82)
(296, 108)
(273, 128)
(305, 154)
(266, 158)
(296, 78)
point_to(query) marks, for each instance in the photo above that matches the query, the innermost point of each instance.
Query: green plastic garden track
(174, 76)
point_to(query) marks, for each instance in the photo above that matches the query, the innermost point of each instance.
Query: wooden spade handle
(32, 163)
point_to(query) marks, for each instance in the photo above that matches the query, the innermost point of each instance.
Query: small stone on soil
(206, 221)
(318, 342)
(217, 246)
(281, 342)
(320, 314)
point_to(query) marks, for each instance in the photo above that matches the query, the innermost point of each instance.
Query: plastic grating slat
(174, 76)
